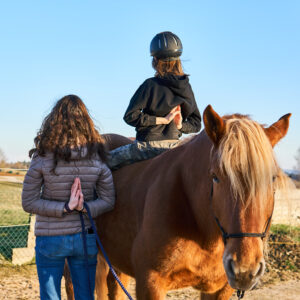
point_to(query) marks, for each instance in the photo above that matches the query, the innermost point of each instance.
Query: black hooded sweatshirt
(156, 97)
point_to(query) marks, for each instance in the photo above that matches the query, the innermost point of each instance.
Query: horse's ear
(214, 125)
(278, 130)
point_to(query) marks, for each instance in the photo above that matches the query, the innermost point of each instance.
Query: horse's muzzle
(241, 276)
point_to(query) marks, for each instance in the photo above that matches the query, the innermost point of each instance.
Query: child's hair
(68, 127)
(163, 67)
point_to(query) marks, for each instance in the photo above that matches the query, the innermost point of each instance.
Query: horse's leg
(68, 282)
(223, 294)
(150, 286)
(115, 292)
(101, 279)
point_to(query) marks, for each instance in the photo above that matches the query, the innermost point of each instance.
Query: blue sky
(243, 56)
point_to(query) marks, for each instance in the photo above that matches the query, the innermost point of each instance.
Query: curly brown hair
(67, 127)
(167, 67)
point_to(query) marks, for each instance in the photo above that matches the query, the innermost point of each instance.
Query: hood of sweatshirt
(183, 94)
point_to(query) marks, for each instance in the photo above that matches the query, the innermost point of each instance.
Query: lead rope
(103, 251)
(86, 255)
(240, 294)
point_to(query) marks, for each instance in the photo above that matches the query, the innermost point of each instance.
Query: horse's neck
(195, 164)
(190, 162)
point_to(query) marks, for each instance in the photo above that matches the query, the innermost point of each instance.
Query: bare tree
(2, 156)
(297, 157)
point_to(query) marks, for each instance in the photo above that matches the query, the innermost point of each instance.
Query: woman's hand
(81, 199)
(80, 202)
(75, 194)
(169, 117)
(76, 199)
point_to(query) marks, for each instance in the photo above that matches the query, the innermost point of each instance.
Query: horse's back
(113, 140)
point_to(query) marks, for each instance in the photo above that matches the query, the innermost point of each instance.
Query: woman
(162, 108)
(67, 167)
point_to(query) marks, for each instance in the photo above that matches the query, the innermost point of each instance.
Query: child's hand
(168, 118)
(178, 117)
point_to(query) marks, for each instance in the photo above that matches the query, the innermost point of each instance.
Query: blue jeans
(51, 252)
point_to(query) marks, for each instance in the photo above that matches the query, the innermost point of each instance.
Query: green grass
(291, 266)
(11, 211)
(291, 231)
(5, 171)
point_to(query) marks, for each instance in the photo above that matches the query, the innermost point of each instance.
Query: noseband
(226, 235)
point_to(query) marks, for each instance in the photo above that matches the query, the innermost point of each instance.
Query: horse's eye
(215, 178)
(274, 177)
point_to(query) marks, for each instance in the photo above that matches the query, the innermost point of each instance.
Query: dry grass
(297, 183)
(8, 270)
(11, 211)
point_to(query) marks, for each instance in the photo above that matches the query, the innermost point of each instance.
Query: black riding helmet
(166, 46)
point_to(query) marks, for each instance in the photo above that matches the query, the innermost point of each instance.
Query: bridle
(226, 236)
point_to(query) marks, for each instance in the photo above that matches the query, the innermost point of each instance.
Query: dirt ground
(21, 283)
(286, 290)
(12, 178)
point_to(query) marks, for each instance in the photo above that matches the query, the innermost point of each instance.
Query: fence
(16, 227)
(16, 238)
(287, 208)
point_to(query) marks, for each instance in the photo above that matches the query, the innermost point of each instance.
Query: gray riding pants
(138, 151)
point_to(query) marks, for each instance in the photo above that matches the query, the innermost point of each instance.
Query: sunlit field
(11, 212)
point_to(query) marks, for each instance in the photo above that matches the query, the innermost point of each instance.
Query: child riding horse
(162, 108)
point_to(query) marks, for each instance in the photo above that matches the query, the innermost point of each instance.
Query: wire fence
(17, 239)
(287, 208)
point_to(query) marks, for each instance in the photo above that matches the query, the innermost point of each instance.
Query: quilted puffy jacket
(45, 193)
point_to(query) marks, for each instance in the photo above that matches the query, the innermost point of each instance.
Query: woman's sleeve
(31, 193)
(134, 115)
(192, 123)
(106, 193)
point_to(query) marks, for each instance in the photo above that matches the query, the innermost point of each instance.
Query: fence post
(24, 255)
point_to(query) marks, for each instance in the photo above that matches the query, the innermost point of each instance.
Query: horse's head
(244, 176)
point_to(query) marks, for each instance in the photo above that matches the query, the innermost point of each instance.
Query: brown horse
(163, 230)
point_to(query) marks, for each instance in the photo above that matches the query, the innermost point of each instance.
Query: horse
(196, 215)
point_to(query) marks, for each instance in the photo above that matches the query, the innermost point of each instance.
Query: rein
(225, 235)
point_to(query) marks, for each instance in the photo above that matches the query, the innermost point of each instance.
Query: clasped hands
(76, 199)
(174, 114)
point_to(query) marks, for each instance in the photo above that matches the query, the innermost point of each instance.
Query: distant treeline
(15, 165)
(12, 165)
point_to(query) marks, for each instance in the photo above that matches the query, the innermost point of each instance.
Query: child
(162, 108)
(68, 149)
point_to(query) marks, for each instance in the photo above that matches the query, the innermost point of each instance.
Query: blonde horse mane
(246, 156)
